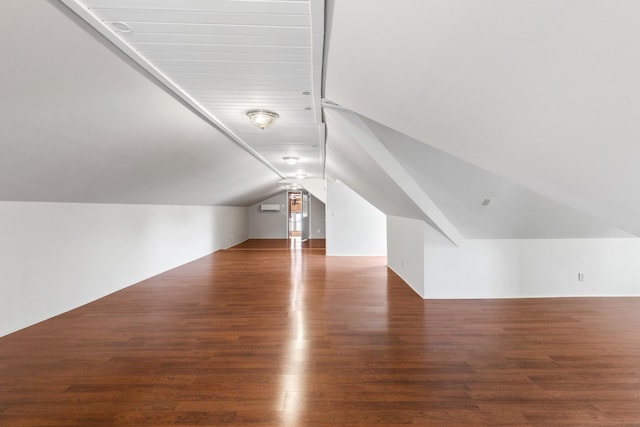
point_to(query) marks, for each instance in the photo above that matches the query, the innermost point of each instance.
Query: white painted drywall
(316, 186)
(405, 250)
(269, 224)
(354, 226)
(458, 189)
(560, 120)
(358, 130)
(513, 268)
(317, 218)
(57, 256)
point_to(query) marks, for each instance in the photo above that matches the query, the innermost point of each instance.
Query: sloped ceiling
(457, 187)
(348, 162)
(226, 58)
(543, 93)
(80, 123)
(532, 103)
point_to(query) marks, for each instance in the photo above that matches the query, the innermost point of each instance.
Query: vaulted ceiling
(531, 104)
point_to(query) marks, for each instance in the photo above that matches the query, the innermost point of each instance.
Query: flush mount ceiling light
(262, 118)
(301, 175)
(290, 160)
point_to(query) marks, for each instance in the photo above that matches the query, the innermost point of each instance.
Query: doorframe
(289, 193)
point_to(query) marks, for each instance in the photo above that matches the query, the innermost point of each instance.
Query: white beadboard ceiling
(228, 57)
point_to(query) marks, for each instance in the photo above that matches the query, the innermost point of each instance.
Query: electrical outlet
(580, 277)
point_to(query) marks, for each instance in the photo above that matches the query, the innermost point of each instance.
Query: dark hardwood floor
(256, 336)
(277, 244)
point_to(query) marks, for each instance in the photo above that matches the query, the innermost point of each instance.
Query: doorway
(295, 214)
(298, 215)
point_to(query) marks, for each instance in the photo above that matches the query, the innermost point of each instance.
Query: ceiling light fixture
(301, 175)
(262, 118)
(290, 160)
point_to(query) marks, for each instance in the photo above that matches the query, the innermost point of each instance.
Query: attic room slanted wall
(59, 256)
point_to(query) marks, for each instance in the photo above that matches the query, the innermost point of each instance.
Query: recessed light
(121, 27)
(306, 92)
(290, 160)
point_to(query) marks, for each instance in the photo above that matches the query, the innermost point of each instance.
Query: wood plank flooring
(253, 336)
(278, 244)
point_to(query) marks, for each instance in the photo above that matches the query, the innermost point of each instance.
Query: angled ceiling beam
(369, 141)
(317, 63)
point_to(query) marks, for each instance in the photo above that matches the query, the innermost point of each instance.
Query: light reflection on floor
(293, 377)
(295, 242)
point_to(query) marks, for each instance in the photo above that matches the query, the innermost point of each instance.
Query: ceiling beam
(317, 63)
(361, 133)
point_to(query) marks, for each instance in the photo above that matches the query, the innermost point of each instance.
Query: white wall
(405, 250)
(354, 226)
(316, 186)
(509, 268)
(57, 256)
(317, 218)
(268, 224)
